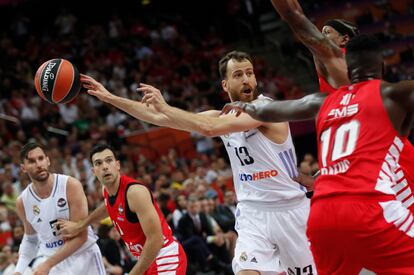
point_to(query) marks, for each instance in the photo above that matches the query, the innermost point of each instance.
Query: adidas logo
(39, 220)
(253, 260)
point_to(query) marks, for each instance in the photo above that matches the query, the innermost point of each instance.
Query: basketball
(57, 81)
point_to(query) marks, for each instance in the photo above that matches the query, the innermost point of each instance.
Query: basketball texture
(57, 81)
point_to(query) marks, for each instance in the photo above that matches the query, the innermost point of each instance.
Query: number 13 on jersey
(344, 141)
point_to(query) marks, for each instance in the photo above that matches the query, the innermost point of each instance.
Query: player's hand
(237, 106)
(95, 88)
(152, 96)
(306, 181)
(42, 269)
(68, 229)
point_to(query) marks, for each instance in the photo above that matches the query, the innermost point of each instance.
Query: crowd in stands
(121, 50)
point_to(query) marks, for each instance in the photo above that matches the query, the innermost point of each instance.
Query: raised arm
(279, 111)
(306, 31)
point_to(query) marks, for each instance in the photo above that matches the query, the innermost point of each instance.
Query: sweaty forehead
(234, 65)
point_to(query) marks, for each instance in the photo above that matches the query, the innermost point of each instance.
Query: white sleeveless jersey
(42, 214)
(263, 171)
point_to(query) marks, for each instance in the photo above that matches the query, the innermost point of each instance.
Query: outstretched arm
(155, 110)
(70, 229)
(307, 32)
(136, 109)
(278, 111)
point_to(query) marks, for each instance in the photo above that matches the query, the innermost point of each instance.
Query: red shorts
(349, 235)
(170, 260)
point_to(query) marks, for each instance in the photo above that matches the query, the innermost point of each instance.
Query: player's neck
(43, 188)
(113, 187)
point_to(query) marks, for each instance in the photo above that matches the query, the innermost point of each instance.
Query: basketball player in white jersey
(48, 198)
(272, 210)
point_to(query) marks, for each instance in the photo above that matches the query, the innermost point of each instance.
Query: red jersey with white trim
(324, 85)
(405, 180)
(358, 146)
(131, 231)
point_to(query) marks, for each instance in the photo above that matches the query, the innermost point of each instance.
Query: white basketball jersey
(42, 214)
(263, 171)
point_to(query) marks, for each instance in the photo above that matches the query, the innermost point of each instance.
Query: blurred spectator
(180, 210)
(17, 237)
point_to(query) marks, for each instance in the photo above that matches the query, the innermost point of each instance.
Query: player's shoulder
(136, 188)
(138, 196)
(73, 186)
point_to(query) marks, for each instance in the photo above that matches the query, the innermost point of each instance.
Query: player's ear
(118, 165)
(93, 170)
(224, 85)
(23, 168)
(345, 39)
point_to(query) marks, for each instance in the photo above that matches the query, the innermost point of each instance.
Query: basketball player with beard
(272, 209)
(328, 50)
(50, 197)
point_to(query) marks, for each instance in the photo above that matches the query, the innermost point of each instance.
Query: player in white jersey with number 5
(48, 198)
(272, 209)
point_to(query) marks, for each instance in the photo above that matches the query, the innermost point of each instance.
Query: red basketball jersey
(131, 232)
(358, 147)
(405, 182)
(324, 85)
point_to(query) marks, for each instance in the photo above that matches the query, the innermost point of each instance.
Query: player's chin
(247, 97)
(42, 176)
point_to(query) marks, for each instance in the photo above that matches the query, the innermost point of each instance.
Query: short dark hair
(29, 147)
(364, 43)
(236, 55)
(101, 147)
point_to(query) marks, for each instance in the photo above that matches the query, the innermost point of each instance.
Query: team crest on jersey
(243, 257)
(36, 209)
(120, 209)
(61, 202)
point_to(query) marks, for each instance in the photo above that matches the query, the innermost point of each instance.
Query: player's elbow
(293, 16)
(160, 119)
(83, 237)
(157, 241)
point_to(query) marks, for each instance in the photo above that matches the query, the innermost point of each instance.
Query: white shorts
(88, 262)
(267, 235)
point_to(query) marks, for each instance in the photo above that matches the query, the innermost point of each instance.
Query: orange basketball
(57, 81)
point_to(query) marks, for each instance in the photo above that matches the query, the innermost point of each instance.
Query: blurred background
(175, 46)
